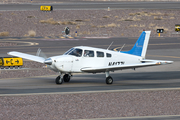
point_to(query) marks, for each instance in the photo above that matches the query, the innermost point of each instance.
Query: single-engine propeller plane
(95, 60)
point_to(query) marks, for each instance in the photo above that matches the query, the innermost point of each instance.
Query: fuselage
(88, 57)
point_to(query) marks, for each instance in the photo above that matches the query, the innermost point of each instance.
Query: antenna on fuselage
(122, 47)
(110, 45)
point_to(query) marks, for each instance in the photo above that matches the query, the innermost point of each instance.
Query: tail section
(140, 47)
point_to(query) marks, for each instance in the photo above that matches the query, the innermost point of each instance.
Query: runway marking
(86, 92)
(62, 39)
(136, 117)
(19, 42)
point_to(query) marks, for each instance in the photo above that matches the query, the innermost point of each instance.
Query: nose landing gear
(60, 79)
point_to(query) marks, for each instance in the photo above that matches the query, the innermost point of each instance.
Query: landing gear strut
(109, 79)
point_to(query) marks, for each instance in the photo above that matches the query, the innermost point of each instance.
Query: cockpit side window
(88, 53)
(100, 54)
(76, 52)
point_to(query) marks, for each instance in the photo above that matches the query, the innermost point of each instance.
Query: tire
(59, 80)
(66, 78)
(109, 80)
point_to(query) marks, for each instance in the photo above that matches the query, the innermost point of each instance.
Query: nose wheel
(60, 79)
(109, 80)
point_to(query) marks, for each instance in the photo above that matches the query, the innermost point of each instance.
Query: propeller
(41, 54)
(47, 61)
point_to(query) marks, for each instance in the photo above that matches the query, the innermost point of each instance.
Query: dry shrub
(106, 16)
(4, 34)
(111, 25)
(156, 14)
(158, 18)
(84, 33)
(105, 26)
(31, 33)
(50, 21)
(139, 14)
(30, 16)
(101, 26)
(130, 19)
(171, 18)
(13, 13)
(116, 16)
(93, 26)
(68, 23)
(137, 25)
(133, 26)
(53, 22)
(78, 20)
(151, 25)
(77, 27)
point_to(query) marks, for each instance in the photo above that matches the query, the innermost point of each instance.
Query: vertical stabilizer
(140, 47)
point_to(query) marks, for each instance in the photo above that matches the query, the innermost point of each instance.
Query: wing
(27, 56)
(145, 63)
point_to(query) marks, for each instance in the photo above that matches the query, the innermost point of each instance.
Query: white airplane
(84, 59)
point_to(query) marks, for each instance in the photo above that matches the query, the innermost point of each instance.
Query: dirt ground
(88, 23)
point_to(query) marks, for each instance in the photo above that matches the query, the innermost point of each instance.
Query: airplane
(84, 59)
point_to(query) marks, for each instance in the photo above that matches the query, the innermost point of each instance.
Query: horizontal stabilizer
(27, 56)
(157, 61)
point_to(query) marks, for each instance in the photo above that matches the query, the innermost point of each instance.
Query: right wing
(27, 56)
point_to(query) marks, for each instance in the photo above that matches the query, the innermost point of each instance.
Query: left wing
(145, 63)
(27, 56)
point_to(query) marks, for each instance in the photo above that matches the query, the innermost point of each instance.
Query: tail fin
(140, 47)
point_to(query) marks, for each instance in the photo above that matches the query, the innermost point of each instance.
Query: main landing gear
(60, 79)
(109, 79)
(66, 78)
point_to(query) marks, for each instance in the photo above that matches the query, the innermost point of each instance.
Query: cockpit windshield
(74, 51)
(66, 53)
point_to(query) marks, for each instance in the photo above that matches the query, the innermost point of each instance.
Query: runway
(165, 76)
(92, 5)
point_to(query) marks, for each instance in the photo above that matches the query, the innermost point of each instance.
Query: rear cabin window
(100, 54)
(108, 55)
(88, 53)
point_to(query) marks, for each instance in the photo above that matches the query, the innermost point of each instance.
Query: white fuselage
(100, 58)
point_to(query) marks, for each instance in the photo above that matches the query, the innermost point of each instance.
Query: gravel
(90, 105)
(89, 23)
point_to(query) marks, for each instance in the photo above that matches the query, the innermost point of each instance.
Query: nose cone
(48, 61)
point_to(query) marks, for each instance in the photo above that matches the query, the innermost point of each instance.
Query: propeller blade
(41, 54)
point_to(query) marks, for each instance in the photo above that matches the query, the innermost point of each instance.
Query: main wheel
(66, 78)
(59, 80)
(109, 80)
